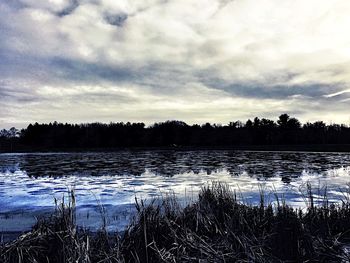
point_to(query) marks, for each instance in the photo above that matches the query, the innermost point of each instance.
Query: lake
(111, 180)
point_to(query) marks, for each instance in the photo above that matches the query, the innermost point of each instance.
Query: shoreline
(336, 148)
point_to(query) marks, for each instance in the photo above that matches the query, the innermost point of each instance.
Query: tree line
(285, 131)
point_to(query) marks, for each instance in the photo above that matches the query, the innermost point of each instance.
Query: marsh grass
(215, 228)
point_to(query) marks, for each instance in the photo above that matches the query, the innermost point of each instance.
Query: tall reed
(215, 228)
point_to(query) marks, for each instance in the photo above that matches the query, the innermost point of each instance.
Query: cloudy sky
(192, 60)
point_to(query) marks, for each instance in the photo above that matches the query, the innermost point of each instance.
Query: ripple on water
(32, 180)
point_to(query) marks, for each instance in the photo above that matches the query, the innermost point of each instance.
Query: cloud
(117, 19)
(337, 93)
(179, 59)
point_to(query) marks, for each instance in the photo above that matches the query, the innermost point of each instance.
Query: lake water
(30, 182)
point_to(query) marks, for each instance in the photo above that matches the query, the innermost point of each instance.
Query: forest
(286, 130)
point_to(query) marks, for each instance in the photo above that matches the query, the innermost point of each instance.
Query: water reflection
(286, 165)
(28, 182)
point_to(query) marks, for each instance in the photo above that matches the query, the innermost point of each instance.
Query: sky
(198, 61)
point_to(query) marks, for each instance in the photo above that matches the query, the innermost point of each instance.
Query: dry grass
(216, 228)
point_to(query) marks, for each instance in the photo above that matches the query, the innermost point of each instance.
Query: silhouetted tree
(287, 130)
(283, 120)
(249, 124)
(293, 123)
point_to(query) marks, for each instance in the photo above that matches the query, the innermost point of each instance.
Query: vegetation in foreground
(216, 228)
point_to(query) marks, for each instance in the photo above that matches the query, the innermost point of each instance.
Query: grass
(215, 228)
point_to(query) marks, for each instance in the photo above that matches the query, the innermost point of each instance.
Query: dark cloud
(81, 71)
(279, 91)
(106, 97)
(14, 4)
(16, 94)
(24, 68)
(162, 78)
(268, 89)
(73, 4)
(116, 19)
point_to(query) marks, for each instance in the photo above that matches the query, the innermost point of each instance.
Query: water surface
(30, 182)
